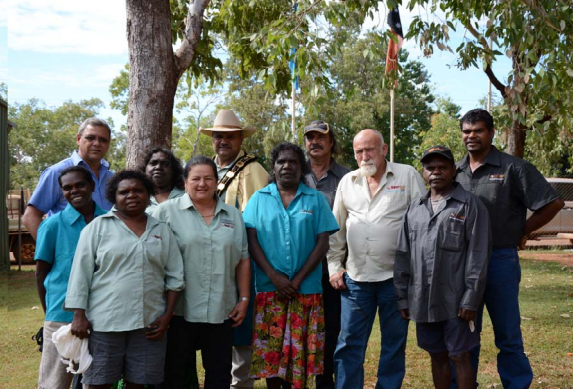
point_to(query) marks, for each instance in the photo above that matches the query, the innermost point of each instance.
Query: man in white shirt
(369, 206)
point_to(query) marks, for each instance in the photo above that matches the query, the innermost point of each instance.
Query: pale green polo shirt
(120, 279)
(210, 256)
(175, 193)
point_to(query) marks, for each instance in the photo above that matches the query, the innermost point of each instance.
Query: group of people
(280, 276)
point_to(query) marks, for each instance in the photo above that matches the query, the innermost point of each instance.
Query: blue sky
(63, 50)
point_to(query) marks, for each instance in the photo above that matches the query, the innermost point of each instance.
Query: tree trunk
(516, 139)
(153, 78)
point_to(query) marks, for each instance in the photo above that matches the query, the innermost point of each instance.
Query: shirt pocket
(452, 238)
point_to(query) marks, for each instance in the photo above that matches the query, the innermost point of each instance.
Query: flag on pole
(393, 47)
(292, 62)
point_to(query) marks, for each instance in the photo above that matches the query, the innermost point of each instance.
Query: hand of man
(239, 313)
(81, 327)
(156, 329)
(466, 315)
(337, 280)
(283, 285)
(405, 313)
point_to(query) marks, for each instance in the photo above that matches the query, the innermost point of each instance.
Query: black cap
(318, 126)
(438, 150)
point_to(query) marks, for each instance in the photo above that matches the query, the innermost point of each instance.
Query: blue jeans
(359, 303)
(501, 300)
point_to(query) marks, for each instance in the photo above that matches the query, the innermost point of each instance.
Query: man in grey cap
(440, 268)
(324, 176)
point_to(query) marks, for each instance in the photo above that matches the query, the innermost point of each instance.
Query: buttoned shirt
(370, 225)
(508, 186)
(56, 244)
(48, 196)
(288, 236)
(211, 254)
(120, 279)
(175, 193)
(328, 183)
(442, 257)
(250, 179)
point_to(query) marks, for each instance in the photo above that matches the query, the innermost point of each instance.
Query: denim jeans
(359, 304)
(501, 300)
(331, 298)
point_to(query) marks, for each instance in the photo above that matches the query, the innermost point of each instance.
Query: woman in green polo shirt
(213, 240)
(126, 275)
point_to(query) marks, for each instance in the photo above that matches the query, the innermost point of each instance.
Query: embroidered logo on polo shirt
(459, 218)
(227, 223)
(307, 211)
(396, 188)
(157, 237)
(496, 177)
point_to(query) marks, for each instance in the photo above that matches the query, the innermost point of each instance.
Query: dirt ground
(562, 258)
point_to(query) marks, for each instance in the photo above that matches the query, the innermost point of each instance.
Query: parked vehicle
(563, 221)
(17, 231)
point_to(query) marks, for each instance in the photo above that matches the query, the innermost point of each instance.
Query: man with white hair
(369, 207)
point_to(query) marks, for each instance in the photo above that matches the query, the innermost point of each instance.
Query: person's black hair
(284, 146)
(80, 169)
(317, 123)
(178, 181)
(200, 160)
(477, 115)
(113, 183)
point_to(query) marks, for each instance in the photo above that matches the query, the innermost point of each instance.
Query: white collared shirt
(370, 226)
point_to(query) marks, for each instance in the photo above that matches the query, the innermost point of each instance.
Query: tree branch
(193, 29)
(495, 81)
(488, 70)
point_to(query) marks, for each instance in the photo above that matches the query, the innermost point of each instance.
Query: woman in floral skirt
(288, 225)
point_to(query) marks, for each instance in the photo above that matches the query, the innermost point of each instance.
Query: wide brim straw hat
(225, 121)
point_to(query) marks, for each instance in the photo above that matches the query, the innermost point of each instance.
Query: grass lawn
(546, 308)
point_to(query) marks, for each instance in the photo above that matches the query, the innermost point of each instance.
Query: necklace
(204, 216)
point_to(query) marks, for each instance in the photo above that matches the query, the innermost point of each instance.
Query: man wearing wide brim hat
(240, 176)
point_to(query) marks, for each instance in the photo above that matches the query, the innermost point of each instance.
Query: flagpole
(392, 125)
(294, 134)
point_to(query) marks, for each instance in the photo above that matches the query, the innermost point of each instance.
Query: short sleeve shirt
(211, 254)
(508, 186)
(121, 279)
(288, 236)
(48, 196)
(56, 244)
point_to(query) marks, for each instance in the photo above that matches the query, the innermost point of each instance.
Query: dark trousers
(215, 342)
(501, 298)
(331, 299)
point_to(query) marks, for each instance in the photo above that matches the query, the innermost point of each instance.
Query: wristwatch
(243, 299)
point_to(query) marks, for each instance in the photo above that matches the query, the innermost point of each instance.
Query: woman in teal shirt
(288, 225)
(212, 238)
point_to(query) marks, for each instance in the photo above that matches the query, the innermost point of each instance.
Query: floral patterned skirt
(288, 338)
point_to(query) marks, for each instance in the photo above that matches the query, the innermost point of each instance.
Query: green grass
(546, 294)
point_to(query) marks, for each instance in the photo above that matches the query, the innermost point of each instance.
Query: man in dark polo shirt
(324, 176)
(508, 186)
